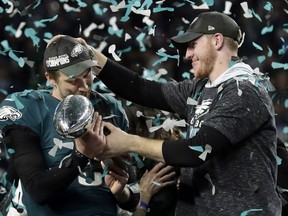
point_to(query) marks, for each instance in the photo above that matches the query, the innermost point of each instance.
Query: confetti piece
(200, 7)
(247, 11)
(245, 213)
(270, 53)
(111, 50)
(168, 124)
(19, 29)
(279, 160)
(267, 29)
(127, 37)
(90, 28)
(257, 46)
(207, 176)
(285, 130)
(277, 65)
(68, 8)
(197, 148)
(207, 150)
(228, 5)
(20, 60)
(191, 101)
(139, 162)
(11, 8)
(31, 33)
(115, 8)
(156, 183)
(261, 58)
(41, 23)
(161, 72)
(286, 103)
(268, 6)
(59, 144)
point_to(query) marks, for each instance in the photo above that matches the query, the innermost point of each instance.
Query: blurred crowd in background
(137, 33)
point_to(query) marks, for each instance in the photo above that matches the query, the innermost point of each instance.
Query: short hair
(55, 74)
(231, 43)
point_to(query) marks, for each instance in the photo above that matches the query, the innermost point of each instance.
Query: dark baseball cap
(69, 56)
(208, 23)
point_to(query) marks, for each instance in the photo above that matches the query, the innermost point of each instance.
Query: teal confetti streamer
(5, 44)
(186, 75)
(81, 4)
(140, 39)
(20, 60)
(209, 2)
(105, 170)
(251, 210)
(128, 103)
(41, 23)
(270, 52)
(285, 130)
(286, 103)
(267, 29)
(261, 58)
(257, 46)
(279, 160)
(117, 32)
(268, 6)
(277, 65)
(282, 50)
(10, 29)
(1, 10)
(38, 3)
(164, 58)
(197, 148)
(97, 9)
(160, 9)
(256, 15)
(146, 5)
(31, 33)
(139, 162)
(11, 151)
(126, 17)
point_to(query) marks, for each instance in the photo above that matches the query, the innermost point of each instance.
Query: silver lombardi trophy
(73, 115)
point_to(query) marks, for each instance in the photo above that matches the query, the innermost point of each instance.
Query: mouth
(194, 63)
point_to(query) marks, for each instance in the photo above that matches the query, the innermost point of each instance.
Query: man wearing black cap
(59, 175)
(229, 154)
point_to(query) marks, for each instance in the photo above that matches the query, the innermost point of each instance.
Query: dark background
(168, 22)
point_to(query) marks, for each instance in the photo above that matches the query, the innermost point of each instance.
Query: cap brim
(77, 69)
(181, 41)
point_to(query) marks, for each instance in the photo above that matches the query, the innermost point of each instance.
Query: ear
(50, 79)
(218, 41)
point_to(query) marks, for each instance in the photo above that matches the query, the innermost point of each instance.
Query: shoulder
(21, 107)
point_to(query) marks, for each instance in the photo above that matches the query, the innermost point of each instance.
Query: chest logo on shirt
(8, 112)
(200, 111)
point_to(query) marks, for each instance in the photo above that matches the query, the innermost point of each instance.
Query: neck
(222, 63)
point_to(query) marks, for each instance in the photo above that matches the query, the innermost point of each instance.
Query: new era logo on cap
(211, 28)
(69, 56)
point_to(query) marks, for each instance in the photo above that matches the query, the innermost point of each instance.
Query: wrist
(100, 58)
(145, 197)
(81, 149)
(134, 198)
(144, 206)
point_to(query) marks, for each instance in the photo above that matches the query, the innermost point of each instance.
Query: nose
(189, 53)
(83, 85)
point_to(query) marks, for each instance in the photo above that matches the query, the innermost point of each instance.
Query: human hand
(116, 142)
(155, 179)
(93, 142)
(118, 176)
